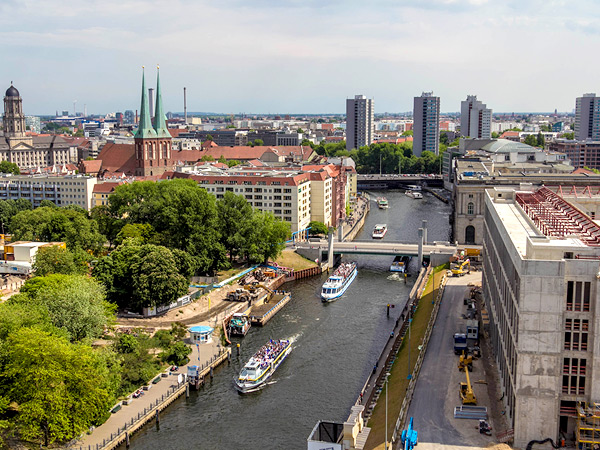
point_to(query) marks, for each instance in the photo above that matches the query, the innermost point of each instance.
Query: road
(380, 247)
(436, 393)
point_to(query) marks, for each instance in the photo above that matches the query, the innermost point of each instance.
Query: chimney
(184, 106)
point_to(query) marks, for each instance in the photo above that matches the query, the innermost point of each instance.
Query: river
(335, 347)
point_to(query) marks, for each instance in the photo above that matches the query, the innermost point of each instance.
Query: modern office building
(475, 118)
(426, 126)
(587, 117)
(359, 122)
(541, 286)
(581, 153)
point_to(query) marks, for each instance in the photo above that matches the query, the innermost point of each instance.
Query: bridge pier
(424, 225)
(330, 248)
(420, 243)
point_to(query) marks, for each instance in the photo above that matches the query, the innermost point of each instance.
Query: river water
(335, 347)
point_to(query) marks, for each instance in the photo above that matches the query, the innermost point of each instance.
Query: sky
(299, 56)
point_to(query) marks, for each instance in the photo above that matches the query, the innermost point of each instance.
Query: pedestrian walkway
(201, 355)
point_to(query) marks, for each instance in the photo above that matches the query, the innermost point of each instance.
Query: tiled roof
(107, 187)
(91, 167)
(118, 158)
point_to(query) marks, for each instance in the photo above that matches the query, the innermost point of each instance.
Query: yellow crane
(466, 392)
(458, 269)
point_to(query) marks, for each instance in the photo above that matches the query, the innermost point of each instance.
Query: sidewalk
(118, 420)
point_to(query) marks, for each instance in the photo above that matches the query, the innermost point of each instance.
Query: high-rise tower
(587, 117)
(13, 119)
(359, 122)
(426, 127)
(152, 143)
(475, 118)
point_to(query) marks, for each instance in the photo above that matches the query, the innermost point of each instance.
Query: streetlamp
(409, 321)
(387, 374)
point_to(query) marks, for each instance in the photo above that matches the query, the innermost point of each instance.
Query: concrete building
(475, 118)
(33, 124)
(587, 117)
(359, 122)
(61, 190)
(426, 127)
(541, 285)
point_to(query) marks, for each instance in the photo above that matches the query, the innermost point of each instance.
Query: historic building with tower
(26, 150)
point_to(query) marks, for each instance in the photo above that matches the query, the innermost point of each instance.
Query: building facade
(426, 126)
(475, 118)
(61, 190)
(587, 117)
(541, 285)
(25, 150)
(581, 153)
(359, 122)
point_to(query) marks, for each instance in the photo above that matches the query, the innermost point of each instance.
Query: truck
(460, 343)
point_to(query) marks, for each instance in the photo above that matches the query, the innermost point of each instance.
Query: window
(578, 296)
(574, 371)
(576, 334)
(470, 208)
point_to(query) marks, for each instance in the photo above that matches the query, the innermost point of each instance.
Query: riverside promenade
(104, 436)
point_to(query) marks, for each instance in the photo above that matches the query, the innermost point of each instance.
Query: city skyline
(302, 57)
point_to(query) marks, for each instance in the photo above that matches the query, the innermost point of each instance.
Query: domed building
(27, 151)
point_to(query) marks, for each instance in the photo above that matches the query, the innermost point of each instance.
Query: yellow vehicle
(465, 361)
(458, 268)
(466, 392)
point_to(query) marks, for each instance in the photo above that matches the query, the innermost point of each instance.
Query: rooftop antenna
(185, 105)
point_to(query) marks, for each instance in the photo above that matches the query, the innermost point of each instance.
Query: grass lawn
(397, 381)
(289, 258)
(235, 268)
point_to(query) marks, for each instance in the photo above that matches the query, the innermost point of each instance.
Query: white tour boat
(414, 194)
(262, 365)
(382, 203)
(336, 284)
(379, 231)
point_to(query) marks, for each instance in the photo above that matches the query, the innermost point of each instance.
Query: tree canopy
(8, 167)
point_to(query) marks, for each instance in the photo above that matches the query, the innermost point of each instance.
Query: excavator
(253, 289)
(466, 392)
(458, 268)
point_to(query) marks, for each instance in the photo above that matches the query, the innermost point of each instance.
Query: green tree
(209, 137)
(74, 303)
(407, 133)
(222, 160)
(9, 209)
(234, 214)
(570, 136)
(177, 354)
(531, 140)
(495, 135)
(317, 228)
(108, 225)
(8, 167)
(233, 162)
(54, 259)
(58, 224)
(300, 130)
(540, 141)
(141, 231)
(207, 158)
(61, 389)
(258, 142)
(307, 143)
(186, 263)
(267, 239)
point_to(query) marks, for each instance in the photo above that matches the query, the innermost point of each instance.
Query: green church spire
(160, 125)
(145, 130)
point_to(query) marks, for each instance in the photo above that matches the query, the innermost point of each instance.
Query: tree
(207, 158)
(258, 142)
(570, 136)
(300, 130)
(8, 167)
(495, 135)
(209, 137)
(233, 162)
(48, 203)
(407, 133)
(9, 209)
(267, 238)
(48, 224)
(177, 354)
(540, 141)
(234, 214)
(72, 391)
(74, 303)
(318, 228)
(222, 160)
(186, 263)
(307, 143)
(141, 231)
(54, 259)
(531, 140)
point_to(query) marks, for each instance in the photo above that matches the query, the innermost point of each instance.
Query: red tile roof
(175, 132)
(90, 167)
(118, 158)
(106, 187)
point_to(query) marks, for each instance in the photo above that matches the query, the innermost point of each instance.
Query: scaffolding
(556, 217)
(588, 425)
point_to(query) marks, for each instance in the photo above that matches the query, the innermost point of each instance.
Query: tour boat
(239, 325)
(379, 231)
(336, 284)
(400, 264)
(414, 194)
(382, 203)
(262, 365)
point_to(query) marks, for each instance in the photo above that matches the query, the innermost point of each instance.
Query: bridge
(379, 248)
(395, 180)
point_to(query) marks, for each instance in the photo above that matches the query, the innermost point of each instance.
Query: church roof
(12, 91)
(145, 130)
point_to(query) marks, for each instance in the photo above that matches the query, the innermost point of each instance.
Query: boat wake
(395, 277)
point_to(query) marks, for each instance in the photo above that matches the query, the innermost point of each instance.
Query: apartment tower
(426, 127)
(359, 122)
(587, 117)
(475, 119)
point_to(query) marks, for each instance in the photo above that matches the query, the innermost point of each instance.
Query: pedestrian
(361, 398)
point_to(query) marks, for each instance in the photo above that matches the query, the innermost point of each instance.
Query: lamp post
(409, 376)
(386, 408)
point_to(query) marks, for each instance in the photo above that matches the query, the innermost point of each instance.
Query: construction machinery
(466, 392)
(240, 295)
(459, 268)
(409, 436)
(460, 343)
(465, 361)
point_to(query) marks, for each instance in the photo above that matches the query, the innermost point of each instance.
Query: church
(25, 150)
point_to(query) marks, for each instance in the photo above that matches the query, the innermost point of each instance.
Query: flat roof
(517, 225)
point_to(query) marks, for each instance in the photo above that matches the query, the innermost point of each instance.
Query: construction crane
(409, 436)
(465, 361)
(466, 392)
(458, 269)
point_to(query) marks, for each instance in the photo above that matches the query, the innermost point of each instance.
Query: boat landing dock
(260, 314)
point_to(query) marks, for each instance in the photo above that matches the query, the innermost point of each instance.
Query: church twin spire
(147, 130)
